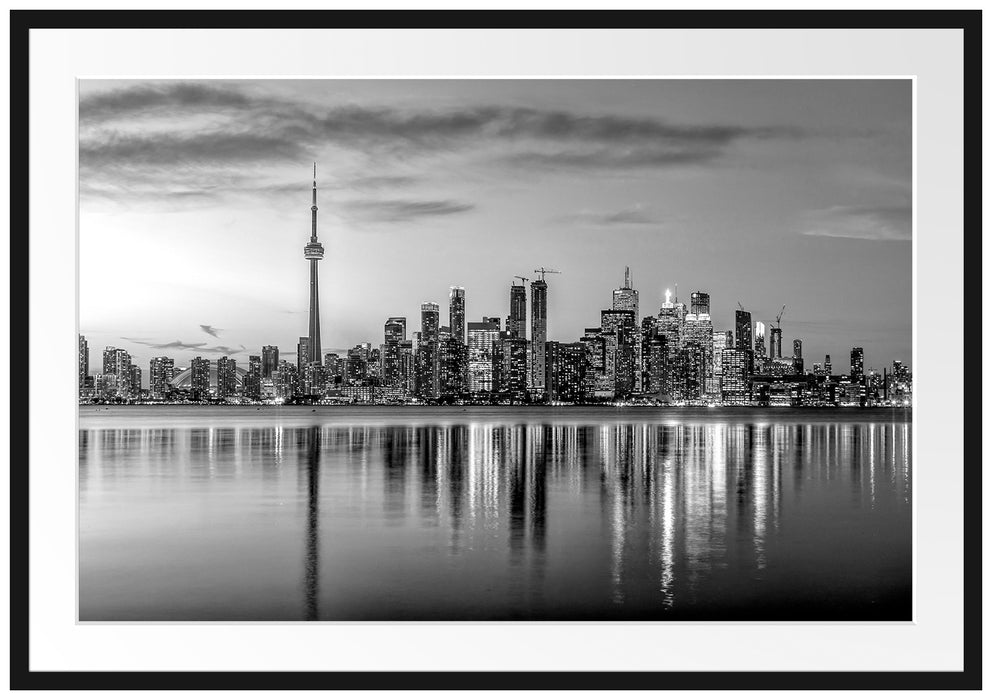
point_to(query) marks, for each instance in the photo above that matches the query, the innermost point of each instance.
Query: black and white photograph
(495, 350)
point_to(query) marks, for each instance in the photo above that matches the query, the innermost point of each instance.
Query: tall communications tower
(314, 252)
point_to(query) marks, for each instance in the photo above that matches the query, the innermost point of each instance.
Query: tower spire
(313, 207)
(626, 277)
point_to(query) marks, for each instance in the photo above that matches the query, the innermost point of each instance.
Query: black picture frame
(22, 22)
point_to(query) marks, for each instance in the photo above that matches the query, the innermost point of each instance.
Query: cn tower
(314, 252)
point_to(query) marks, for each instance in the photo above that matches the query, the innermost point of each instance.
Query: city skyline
(127, 179)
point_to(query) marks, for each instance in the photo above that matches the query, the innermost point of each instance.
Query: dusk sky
(195, 206)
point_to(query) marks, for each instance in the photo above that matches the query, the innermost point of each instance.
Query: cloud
(637, 215)
(225, 350)
(220, 123)
(175, 344)
(871, 223)
(402, 210)
(211, 330)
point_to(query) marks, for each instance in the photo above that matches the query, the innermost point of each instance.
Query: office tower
(270, 360)
(566, 371)
(775, 351)
(510, 367)
(759, 340)
(395, 328)
(303, 352)
(817, 368)
(285, 380)
(721, 341)
(742, 326)
(698, 333)
(135, 375)
(408, 367)
(622, 325)
(314, 252)
(699, 303)
(671, 326)
(199, 379)
(516, 322)
(451, 363)
(828, 368)
(654, 357)
(797, 356)
(252, 383)
(691, 372)
(427, 351)
(160, 373)
(857, 363)
(538, 332)
(599, 382)
(734, 386)
(84, 361)
(482, 337)
(394, 332)
(456, 313)
(117, 362)
(227, 373)
(356, 365)
(626, 297)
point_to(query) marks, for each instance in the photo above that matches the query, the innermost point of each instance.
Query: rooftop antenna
(626, 278)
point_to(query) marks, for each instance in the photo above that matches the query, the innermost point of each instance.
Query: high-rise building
(797, 356)
(135, 380)
(395, 328)
(654, 357)
(510, 367)
(482, 337)
(117, 362)
(721, 341)
(303, 357)
(857, 363)
(699, 303)
(199, 379)
(735, 385)
(516, 322)
(828, 368)
(252, 383)
(759, 340)
(538, 332)
(456, 313)
(84, 361)
(566, 371)
(742, 326)
(626, 297)
(775, 350)
(671, 326)
(600, 373)
(270, 360)
(408, 367)
(314, 252)
(427, 350)
(160, 373)
(451, 364)
(622, 325)
(227, 372)
(394, 333)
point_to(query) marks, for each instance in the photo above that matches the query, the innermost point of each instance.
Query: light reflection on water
(493, 515)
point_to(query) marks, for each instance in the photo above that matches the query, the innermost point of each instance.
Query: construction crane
(543, 272)
(740, 306)
(523, 280)
(778, 319)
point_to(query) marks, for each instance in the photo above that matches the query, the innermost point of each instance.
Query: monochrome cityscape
(556, 350)
(674, 356)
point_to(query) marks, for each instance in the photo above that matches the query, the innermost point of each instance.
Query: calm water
(199, 513)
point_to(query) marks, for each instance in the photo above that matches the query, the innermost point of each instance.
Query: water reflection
(686, 515)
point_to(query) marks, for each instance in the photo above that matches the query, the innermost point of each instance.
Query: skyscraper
(857, 363)
(620, 323)
(510, 367)
(303, 357)
(775, 350)
(538, 332)
(759, 340)
(270, 360)
(482, 337)
(227, 373)
(199, 379)
(828, 368)
(160, 371)
(394, 333)
(742, 326)
(117, 361)
(566, 371)
(797, 356)
(626, 297)
(734, 385)
(699, 303)
(427, 351)
(516, 322)
(456, 313)
(84, 361)
(314, 252)
(252, 385)
(671, 326)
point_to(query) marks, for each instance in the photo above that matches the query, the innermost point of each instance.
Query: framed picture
(496, 349)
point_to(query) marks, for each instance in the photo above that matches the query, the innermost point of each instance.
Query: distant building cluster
(673, 357)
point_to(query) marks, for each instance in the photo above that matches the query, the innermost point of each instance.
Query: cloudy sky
(195, 197)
